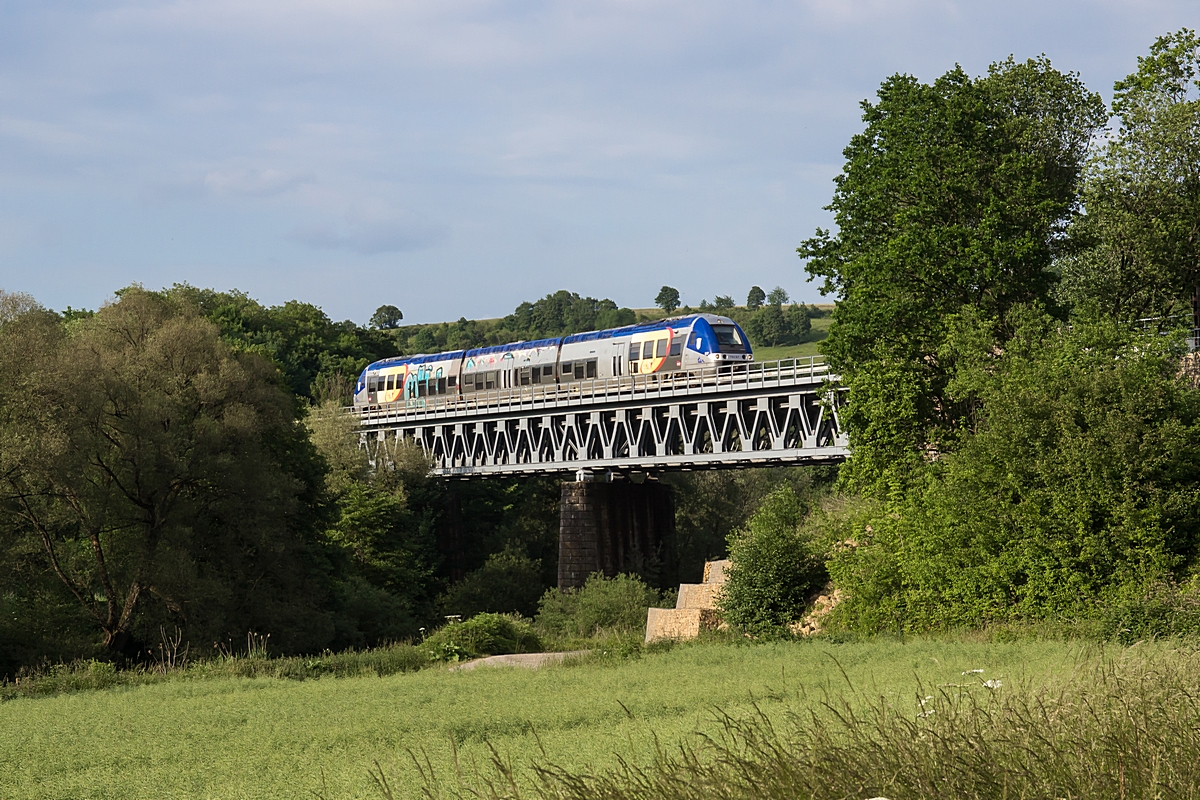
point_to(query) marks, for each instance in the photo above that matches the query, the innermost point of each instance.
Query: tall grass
(1125, 727)
(89, 675)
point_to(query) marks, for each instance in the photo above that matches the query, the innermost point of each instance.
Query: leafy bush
(601, 605)
(509, 581)
(776, 566)
(1078, 488)
(482, 635)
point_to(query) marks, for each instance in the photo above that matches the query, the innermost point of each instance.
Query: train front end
(718, 341)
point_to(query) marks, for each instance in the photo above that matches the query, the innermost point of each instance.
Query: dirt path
(526, 660)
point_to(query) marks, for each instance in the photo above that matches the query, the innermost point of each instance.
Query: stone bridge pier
(615, 525)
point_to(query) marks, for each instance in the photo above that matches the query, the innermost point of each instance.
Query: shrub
(602, 604)
(776, 566)
(482, 635)
(509, 582)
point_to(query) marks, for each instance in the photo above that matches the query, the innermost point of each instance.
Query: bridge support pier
(616, 527)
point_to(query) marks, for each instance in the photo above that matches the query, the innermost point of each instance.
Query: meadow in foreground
(267, 737)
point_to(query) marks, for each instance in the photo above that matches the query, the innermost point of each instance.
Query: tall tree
(667, 299)
(955, 195)
(755, 298)
(386, 316)
(1140, 254)
(156, 469)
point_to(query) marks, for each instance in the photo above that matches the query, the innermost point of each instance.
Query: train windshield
(729, 339)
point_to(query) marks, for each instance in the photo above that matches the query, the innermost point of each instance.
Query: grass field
(260, 738)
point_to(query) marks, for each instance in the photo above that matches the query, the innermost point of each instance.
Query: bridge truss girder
(766, 426)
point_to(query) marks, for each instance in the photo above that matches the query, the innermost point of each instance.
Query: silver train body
(680, 344)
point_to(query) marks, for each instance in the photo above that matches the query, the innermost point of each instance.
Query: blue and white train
(662, 347)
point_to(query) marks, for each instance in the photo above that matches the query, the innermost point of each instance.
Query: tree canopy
(667, 299)
(386, 317)
(1138, 248)
(156, 472)
(956, 194)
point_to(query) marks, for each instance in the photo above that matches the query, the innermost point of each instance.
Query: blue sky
(454, 158)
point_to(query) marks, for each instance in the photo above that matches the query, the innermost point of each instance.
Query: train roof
(507, 348)
(641, 327)
(424, 358)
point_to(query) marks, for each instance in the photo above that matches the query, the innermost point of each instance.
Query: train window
(537, 374)
(635, 351)
(728, 339)
(468, 383)
(566, 368)
(660, 351)
(578, 370)
(676, 349)
(391, 382)
(490, 380)
(591, 368)
(441, 385)
(451, 381)
(422, 388)
(548, 370)
(525, 376)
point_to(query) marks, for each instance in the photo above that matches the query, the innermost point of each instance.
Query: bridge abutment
(615, 527)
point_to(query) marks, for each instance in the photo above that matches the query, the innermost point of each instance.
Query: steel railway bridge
(778, 412)
(615, 435)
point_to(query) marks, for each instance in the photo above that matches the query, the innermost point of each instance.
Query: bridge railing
(593, 391)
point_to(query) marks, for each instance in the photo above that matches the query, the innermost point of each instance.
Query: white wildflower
(993, 684)
(973, 672)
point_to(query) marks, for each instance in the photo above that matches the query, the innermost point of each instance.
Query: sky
(455, 158)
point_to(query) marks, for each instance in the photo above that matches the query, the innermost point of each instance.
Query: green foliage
(386, 317)
(509, 581)
(317, 357)
(157, 474)
(556, 314)
(711, 505)
(602, 605)
(772, 325)
(777, 296)
(1080, 482)
(382, 548)
(954, 196)
(667, 299)
(482, 635)
(86, 675)
(1138, 248)
(775, 568)
(756, 298)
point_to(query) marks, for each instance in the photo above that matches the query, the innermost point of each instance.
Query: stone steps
(694, 611)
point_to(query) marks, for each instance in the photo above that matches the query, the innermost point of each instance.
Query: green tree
(160, 473)
(722, 302)
(1140, 240)
(798, 322)
(1081, 481)
(386, 317)
(14, 304)
(777, 296)
(667, 299)
(310, 350)
(775, 566)
(756, 298)
(955, 195)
